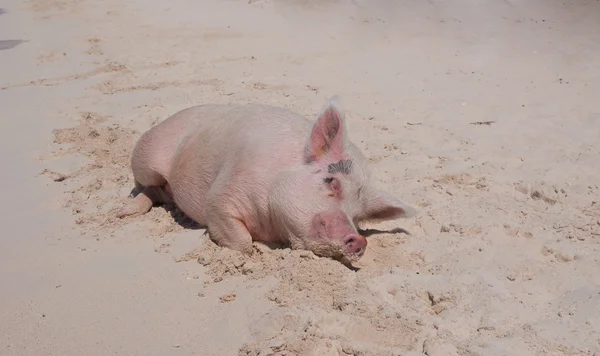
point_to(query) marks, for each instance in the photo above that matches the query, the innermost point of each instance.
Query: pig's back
(232, 145)
(225, 132)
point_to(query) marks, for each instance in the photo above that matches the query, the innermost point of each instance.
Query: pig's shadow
(370, 232)
(184, 221)
(178, 216)
(181, 219)
(187, 223)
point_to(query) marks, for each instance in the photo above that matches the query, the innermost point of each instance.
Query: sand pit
(482, 115)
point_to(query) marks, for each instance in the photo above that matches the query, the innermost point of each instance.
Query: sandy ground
(483, 114)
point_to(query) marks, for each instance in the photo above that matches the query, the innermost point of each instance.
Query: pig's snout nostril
(355, 244)
(350, 242)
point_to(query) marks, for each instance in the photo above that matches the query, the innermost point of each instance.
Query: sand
(482, 114)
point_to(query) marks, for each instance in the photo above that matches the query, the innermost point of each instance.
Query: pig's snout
(334, 226)
(355, 244)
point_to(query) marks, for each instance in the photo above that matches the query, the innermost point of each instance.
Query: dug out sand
(484, 115)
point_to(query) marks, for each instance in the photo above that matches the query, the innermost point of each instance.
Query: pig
(252, 172)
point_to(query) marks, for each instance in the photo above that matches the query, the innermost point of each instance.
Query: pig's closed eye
(334, 186)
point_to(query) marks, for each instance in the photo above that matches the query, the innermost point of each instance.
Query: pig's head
(318, 205)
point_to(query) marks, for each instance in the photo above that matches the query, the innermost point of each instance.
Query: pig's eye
(334, 186)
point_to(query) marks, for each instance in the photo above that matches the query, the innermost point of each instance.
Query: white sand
(503, 259)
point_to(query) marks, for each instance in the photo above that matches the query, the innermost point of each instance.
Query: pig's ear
(328, 134)
(381, 206)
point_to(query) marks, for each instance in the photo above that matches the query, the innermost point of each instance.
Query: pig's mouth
(346, 258)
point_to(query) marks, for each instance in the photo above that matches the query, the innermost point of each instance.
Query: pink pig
(261, 173)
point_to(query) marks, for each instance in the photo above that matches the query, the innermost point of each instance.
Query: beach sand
(482, 114)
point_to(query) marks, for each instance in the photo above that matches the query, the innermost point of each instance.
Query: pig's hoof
(127, 210)
(137, 206)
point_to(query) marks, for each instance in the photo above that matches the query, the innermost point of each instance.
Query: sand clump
(321, 302)
(108, 148)
(97, 190)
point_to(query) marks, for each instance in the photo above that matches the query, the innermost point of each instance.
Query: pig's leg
(148, 160)
(230, 232)
(225, 224)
